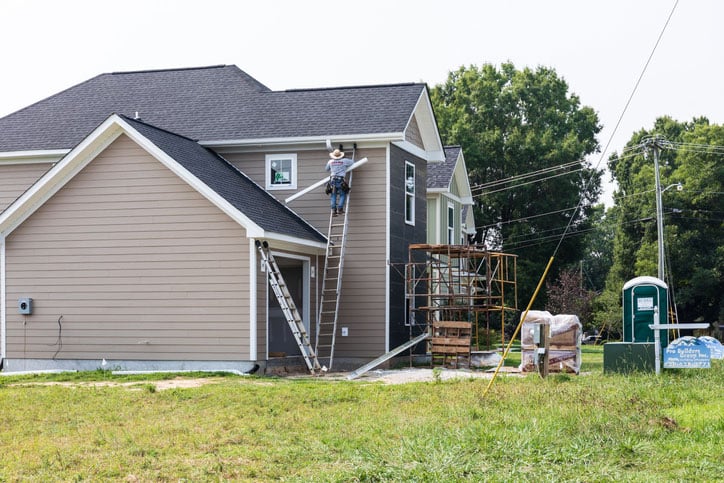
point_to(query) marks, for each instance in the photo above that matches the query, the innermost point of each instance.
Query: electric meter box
(643, 299)
(25, 306)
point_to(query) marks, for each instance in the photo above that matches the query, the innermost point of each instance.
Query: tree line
(526, 139)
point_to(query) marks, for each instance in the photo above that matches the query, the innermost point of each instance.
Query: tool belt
(344, 186)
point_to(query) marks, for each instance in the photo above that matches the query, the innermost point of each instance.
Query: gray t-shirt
(337, 167)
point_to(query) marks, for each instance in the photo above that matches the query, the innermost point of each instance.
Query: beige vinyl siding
(363, 287)
(134, 263)
(16, 178)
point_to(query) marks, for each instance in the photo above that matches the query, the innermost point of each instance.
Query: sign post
(658, 327)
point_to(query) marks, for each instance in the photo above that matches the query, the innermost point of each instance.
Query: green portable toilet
(641, 295)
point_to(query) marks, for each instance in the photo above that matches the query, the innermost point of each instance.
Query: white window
(463, 237)
(409, 193)
(450, 224)
(281, 171)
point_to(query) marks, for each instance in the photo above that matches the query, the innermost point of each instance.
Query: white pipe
(322, 181)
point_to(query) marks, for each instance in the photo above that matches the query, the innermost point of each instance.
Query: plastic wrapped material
(558, 361)
(564, 342)
(526, 331)
(565, 332)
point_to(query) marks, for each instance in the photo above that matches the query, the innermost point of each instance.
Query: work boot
(340, 211)
(334, 212)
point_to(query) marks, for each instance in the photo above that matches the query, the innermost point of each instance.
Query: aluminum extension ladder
(332, 283)
(289, 308)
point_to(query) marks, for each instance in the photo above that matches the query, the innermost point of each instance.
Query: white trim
(447, 194)
(450, 206)
(271, 158)
(86, 151)
(32, 157)
(426, 121)
(3, 305)
(306, 281)
(253, 330)
(388, 222)
(343, 138)
(295, 241)
(411, 221)
(429, 156)
(57, 176)
(253, 230)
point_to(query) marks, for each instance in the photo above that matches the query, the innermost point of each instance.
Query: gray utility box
(627, 357)
(25, 306)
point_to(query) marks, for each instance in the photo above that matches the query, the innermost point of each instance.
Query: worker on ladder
(337, 187)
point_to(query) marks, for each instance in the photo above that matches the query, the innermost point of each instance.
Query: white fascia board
(57, 176)
(379, 138)
(463, 200)
(316, 246)
(252, 229)
(33, 157)
(426, 121)
(461, 170)
(419, 152)
(87, 150)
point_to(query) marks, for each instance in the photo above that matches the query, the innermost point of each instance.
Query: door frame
(306, 292)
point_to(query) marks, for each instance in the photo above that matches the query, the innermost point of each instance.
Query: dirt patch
(177, 383)
(403, 376)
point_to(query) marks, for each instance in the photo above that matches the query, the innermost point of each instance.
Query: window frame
(450, 223)
(269, 159)
(410, 195)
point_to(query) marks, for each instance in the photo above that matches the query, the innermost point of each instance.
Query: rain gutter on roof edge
(263, 142)
(33, 156)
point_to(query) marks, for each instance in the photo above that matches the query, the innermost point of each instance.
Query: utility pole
(655, 144)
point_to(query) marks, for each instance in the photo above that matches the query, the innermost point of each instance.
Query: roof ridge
(151, 71)
(141, 121)
(370, 86)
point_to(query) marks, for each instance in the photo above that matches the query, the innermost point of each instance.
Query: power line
(526, 218)
(528, 183)
(530, 174)
(620, 118)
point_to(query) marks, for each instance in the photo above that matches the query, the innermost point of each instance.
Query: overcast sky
(598, 47)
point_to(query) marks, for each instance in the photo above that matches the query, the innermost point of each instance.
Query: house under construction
(459, 293)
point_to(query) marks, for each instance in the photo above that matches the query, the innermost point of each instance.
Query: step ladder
(289, 308)
(332, 284)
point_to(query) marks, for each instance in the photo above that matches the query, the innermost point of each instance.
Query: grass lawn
(593, 427)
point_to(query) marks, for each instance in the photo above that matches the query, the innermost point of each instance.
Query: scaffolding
(459, 292)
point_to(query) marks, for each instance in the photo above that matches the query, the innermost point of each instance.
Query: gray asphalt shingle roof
(440, 174)
(208, 104)
(230, 183)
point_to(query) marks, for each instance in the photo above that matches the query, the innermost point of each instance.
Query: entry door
(281, 339)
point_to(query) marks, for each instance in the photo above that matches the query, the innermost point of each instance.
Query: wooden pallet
(450, 343)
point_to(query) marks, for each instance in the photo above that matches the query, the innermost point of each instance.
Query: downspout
(388, 174)
(252, 301)
(3, 306)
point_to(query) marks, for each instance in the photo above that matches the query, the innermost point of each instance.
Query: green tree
(692, 216)
(511, 123)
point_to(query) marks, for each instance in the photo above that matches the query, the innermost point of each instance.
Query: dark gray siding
(403, 234)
